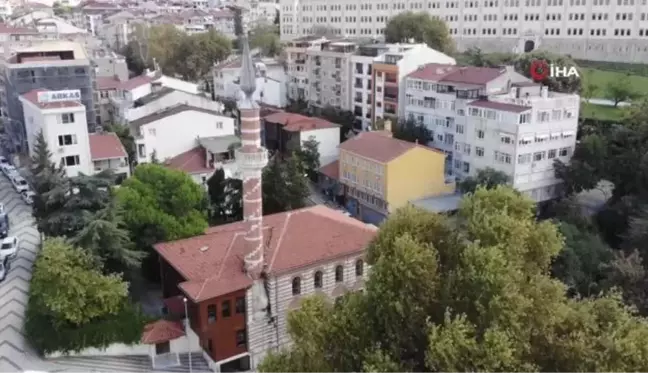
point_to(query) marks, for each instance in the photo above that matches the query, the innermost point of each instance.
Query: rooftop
(169, 112)
(135, 82)
(32, 96)
(44, 48)
(457, 74)
(218, 144)
(104, 83)
(6, 29)
(193, 161)
(106, 146)
(298, 123)
(379, 147)
(162, 331)
(212, 264)
(331, 170)
(153, 96)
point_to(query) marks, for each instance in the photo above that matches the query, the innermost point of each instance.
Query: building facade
(381, 174)
(485, 117)
(592, 30)
(52, 66)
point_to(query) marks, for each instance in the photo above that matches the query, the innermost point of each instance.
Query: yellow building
(381, 174)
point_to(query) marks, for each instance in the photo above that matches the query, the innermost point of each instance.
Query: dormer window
(296, 286)
(339, 273)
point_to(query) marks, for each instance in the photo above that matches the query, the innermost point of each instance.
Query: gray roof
(144, 100)
(167, 113)
(218, 144)
(444, 203)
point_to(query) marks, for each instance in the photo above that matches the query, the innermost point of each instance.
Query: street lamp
(187, 331)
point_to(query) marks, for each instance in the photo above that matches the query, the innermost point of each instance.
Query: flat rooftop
(49, 51)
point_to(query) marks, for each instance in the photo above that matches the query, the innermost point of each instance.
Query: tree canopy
(266, 38)
(570, 84)
(470, 293)
(225, 197)
(285, 185)
(487, 177)
(422, 28)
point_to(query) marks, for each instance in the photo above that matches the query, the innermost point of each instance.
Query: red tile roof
(456, 74)
(379, 147)
(331, 170)
(104, 83)
(106, 146)
(191, 162)
(162, 331)
(499, 106)
(6, 29)
(32, 96)
(135, 82)
(297, 123)
(212, 264)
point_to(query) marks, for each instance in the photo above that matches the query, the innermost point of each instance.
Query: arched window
(318, 279)
(359, 267)
(296, 286)
(339, 274)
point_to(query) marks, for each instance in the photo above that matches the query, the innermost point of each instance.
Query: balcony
(358, 99)
(390, 110)
(318, 62)
(251, 160)
(359, 71)
(390, 79)
(300, 61)
(358, 85)
(391, 97)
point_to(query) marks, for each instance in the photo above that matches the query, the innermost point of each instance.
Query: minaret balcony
(251, 159)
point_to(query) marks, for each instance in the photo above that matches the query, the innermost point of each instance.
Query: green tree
(469, 293)
(583, 263)
(266, 38)
(571, 84)
(196, 54)
(488, 178)
(628, 273)
(46, 178)
(127, 139)
(411, 131)
(285, 185)
(160, 204)
(619, 90)
(107, 238)
(422, 28)
(310, 156)
(66, 279)
(475, 57)
(344, 118)
(225, 197)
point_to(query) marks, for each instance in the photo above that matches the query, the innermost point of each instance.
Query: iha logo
(541, 70)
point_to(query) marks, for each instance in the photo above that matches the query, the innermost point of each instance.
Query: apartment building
(52, 65)
(297, 65)
(495, 118)
(604, 30)
(329, 72)
(381, 174)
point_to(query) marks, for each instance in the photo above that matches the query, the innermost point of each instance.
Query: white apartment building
(175, 130)
(297, 65)
(605, 30)
(61, 117)
(496, 118)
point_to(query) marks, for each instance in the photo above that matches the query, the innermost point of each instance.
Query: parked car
(3, 160)
(7, 169)
(28, 196)
(9, 247)
(19, 183)
(4, 268)
(4, 222)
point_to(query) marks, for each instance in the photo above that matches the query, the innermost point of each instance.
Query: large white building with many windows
(605, 30)
(485, 117)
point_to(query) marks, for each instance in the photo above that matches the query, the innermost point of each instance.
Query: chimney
(544, 92)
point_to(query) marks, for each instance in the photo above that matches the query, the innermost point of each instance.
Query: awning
(527, 138)
(568, 133)
(505, 134)
(542, 137)
(555, 134)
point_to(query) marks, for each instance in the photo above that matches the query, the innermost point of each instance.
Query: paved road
(15, 352)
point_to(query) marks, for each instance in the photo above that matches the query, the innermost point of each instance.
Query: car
(4, 268)
(4, 160)
(7, 169)
(28, 196)
(4, 222)
(9, 247)
(19, 183)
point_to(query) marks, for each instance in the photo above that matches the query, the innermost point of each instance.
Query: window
(359, 267)
(479, 151)
(241, 338)
(466, 167)
(339, 274)
(539, 156)
(506, 139)
(296, 286)
(67, 118)
(524, 158)
(460, 128)
(152, 131)
(240, 305)
(564, 152)
(209, 345)
(211, 313)
(70, 160)
(317, 280)
(225, 309)
(480, 134)
(67, 140)
(552, 154)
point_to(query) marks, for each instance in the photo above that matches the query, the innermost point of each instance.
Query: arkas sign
(541, 70)
(58, 96)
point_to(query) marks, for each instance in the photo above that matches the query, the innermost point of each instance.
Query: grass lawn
(600, 112)
(601, 78)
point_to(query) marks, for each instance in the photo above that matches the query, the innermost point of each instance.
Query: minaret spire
(251, 158)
